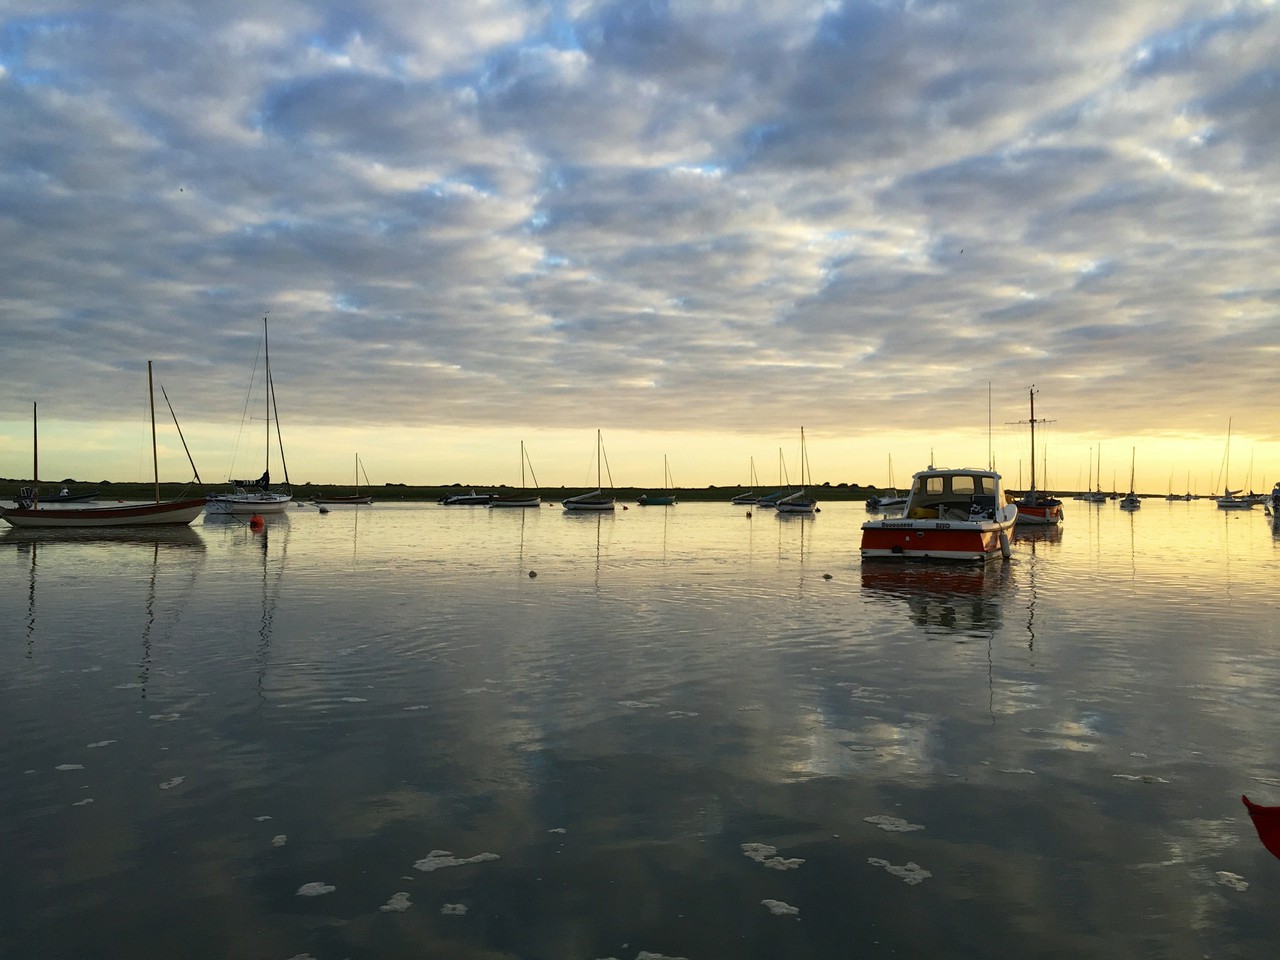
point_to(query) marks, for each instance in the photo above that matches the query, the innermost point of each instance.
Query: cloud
(708, 216)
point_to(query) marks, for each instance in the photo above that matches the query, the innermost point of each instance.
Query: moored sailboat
(357, 499)
(800, 501)
(667, 497)
(524, 497)
(1230, 499)
(596, 500)
(1034, 507)
(30, 513)
(1131, 501)
(750, 496)
(248, 497)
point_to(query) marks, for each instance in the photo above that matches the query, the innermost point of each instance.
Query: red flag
(1267, 822)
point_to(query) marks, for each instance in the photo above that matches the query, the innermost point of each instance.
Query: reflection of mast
(270, 596)
(144, 666)
(1031, 606)
(31, 604)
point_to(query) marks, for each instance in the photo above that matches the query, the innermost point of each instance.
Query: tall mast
(1032, 392)
(272, 410)
(155, 461)
(266, 351)
(35, 456)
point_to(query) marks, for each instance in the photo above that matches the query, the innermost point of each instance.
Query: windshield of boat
(951, 487)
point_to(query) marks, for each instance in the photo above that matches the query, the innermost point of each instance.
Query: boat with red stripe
(959, 515)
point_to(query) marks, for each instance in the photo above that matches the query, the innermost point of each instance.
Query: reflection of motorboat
(941, 594)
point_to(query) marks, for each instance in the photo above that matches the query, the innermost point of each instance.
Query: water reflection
(943, 599)
(95, 548)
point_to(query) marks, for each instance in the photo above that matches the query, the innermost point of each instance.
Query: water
(199, 724)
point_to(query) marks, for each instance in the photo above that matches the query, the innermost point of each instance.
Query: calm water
(680, 738)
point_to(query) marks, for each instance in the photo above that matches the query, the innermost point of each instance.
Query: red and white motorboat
(950, 515)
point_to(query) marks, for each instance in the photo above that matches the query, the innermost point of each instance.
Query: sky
(694, 227)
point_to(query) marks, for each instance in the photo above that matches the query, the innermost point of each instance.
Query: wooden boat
(800, 502)
(950, 515)
(1035, 507)
(30, 513)
(664, 499)
(248, 497)
(597, 500)
(526, 497)
(356, 499)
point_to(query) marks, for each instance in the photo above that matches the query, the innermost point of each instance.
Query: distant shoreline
(409, 493)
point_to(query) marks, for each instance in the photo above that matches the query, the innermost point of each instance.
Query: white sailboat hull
(247, 504)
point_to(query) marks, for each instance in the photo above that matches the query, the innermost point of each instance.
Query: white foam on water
(637, 704)
(557, 830)
(1232, 880)
(1145, 778)
(279, 840)
(764, 854)
(265, 816)
(780, 909)
(398, 903)
(438, 859)
(100, 743)
(166, 717)
(646, 955)
(454, 909)
(911, 873)
(170, 784)
(1020, 771)
(677, 714)
(315, 889)
(69, 766)
(354, 700)
(83, 803)
(893, 824)
(419, 706)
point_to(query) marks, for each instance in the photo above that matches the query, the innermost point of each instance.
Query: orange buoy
(256, 522)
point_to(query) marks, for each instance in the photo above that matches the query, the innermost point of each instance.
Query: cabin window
(989, 486)
(962, 485)
(933, 485)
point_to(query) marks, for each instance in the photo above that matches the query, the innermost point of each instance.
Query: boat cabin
(953, 495)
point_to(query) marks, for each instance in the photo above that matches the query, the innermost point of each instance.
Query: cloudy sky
(695, 226)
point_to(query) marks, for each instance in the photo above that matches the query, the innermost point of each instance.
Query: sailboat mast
(522, 465)
(1226, 469)
(599, 446)
(35, 455)
(273, 412)
(1033, 440)
(155, 461)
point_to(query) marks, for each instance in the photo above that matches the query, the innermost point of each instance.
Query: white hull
(129, 515)
(1234, 503)
(522, 502)
(248, 504)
